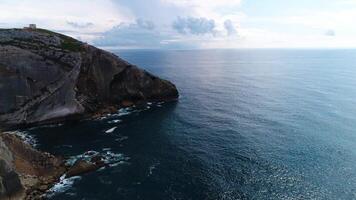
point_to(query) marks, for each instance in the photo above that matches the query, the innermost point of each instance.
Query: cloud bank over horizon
(195, 26)
(186, 24)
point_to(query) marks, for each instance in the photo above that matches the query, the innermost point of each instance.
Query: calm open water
(250, 124)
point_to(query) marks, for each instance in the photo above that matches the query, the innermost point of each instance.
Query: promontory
(48, 77)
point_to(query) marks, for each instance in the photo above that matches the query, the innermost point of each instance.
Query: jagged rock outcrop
(26, 173)
(10, 184)
(48, 77)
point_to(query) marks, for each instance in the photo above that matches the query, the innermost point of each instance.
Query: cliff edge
(48, 77)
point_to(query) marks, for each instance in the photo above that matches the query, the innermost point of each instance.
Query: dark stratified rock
(48, 77)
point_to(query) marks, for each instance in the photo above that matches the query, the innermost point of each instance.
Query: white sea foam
(62, 186)
(85, 156)
(124, 111)
(111, 130)
(159, 104)
(25, 136)
(152, 168)
(115, 159)
(110, 158)
(47, 126)
(115, 121)
(117, 163)
(112, 118)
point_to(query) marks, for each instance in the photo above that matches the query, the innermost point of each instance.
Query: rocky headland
(46, 77)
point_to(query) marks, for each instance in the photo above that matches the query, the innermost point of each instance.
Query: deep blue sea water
(250, 124)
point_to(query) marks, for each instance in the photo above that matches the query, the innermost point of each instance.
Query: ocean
(250, 124)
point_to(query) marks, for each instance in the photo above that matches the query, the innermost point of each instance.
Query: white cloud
(55, 15)
(204, 3)
(230, 28)
(145, 24)
(207, 8)
(206, 24)
(330, 33)
(196, 26)
(210, 9)
(140, 34)
(80, 25)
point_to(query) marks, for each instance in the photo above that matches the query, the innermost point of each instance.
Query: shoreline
(33, 172)
(27, 173)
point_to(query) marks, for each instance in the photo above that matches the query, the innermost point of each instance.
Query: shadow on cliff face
(46, 77)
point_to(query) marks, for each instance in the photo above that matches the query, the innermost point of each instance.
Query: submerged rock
(48, 77)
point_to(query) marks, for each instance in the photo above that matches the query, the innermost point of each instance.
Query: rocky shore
(26, 173)
(45, 78)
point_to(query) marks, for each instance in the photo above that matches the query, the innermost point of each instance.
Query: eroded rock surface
(24, 170)
(10, 184)
(48, 77)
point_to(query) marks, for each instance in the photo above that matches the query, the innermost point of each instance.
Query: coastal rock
(47, 77)
(82, 167)
(25, 171)
(10, 183)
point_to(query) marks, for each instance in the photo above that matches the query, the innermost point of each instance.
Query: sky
(191, 24)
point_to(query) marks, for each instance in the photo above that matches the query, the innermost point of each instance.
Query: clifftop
(40, 37)
(49, 77)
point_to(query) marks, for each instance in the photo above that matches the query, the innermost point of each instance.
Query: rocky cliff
(48, 77)
(10, 185)
(26, 173)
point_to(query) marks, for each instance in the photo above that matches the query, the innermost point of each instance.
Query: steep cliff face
(48, 77)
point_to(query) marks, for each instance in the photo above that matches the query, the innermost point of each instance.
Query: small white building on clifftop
(31, 27)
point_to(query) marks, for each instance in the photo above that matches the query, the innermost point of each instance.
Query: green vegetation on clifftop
(68, 43)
